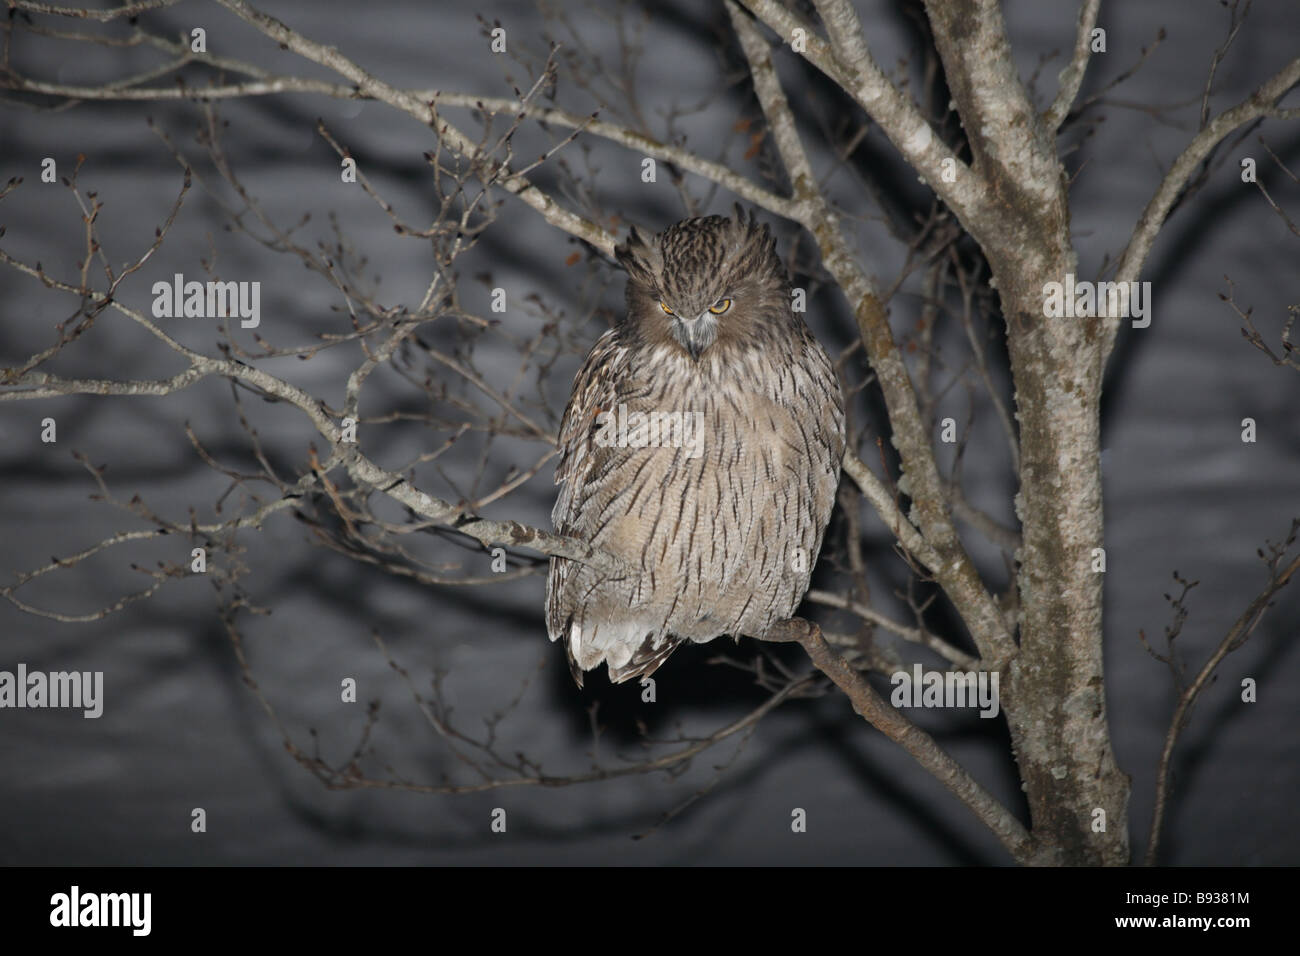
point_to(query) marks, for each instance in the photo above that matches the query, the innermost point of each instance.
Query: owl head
(704, 283)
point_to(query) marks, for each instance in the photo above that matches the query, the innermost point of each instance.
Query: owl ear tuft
(752, 233)
(742, 218)
(636, 255)
(750, 230)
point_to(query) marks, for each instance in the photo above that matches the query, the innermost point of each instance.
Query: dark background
(181, 731)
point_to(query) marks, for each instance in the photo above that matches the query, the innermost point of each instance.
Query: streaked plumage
(721, 543)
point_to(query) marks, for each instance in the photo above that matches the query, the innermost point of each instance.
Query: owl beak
(694, 339)
(697, 334)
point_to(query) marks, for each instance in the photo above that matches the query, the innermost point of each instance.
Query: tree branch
(1259, 104)
(1236, 636)
(412, 105)
(897, 116)
(714, 172)
(877, 712)
(83, 13)
(949, 562)
(33, 385)
(915, 635)
(1071, 77)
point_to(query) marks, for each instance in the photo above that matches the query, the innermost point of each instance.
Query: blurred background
(180, 728)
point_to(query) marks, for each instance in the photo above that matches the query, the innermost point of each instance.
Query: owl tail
(647, 658)
(574, 667)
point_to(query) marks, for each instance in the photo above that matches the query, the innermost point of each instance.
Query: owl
(702, 446)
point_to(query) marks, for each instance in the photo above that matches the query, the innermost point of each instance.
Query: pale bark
(1055, 699)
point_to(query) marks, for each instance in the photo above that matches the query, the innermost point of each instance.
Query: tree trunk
(1055, 698)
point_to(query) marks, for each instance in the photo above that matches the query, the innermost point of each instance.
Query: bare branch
(1237, 14)
(1289, 358)
(897, 116)
(83, 13)
(877, 712)
(1014, 152)
(951, 566)
(1071, 77)
(914, 634)
(1237, 635)
(742, 186)
(361, 469)
(1261, 103)
(481, 754)
(887, 507)
(412, 105)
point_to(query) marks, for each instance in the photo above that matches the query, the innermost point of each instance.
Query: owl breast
(720, 518)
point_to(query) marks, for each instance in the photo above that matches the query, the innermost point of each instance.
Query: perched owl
(701, 445)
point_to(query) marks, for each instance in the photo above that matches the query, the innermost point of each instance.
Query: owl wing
(594, 391)
(584, 470)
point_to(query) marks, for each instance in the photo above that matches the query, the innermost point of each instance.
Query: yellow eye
(664, 306)
(722, 305)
